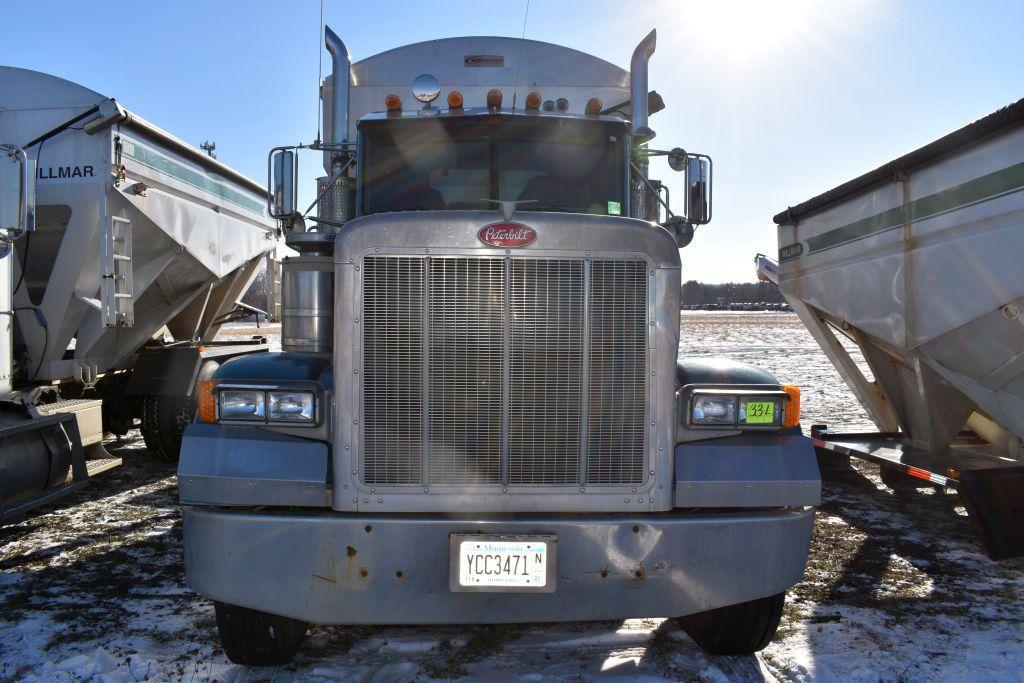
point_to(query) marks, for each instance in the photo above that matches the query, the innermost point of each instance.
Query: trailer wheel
(254, 638)
(164, 418)
(902, 484)
(741, 629)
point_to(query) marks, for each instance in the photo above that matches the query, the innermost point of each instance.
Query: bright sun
(744, 30)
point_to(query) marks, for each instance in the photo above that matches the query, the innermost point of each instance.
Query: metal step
(88, 414)
(100, 465)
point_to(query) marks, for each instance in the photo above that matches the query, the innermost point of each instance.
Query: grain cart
(917, 263)
(478, 415)
(137, 251)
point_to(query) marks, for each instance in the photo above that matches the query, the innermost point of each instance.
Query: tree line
(701, 294)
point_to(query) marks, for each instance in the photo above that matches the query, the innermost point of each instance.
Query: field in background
(896, 589)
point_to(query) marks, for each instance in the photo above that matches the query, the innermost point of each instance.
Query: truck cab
(479, 415)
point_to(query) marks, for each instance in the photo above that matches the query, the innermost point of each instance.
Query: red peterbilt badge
(507, 234)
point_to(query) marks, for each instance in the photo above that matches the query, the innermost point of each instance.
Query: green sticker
(760, 412)
(614, 209)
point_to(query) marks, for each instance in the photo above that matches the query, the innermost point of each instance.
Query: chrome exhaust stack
(341, 65)
(638, 86)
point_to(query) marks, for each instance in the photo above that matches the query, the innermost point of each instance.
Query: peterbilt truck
(478, 414)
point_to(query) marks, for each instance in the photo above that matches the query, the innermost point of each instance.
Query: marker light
(207, 401)
(792, 406)
(548, 105)
(533, 100)
(562, 104)
(494, 99)
(593, 106)
(455, 100)
(393, 102)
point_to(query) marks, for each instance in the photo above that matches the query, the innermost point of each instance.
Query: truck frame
(478, 415)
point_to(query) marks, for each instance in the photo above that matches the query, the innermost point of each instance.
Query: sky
(789, 98)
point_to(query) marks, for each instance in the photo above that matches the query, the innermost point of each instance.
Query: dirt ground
(896, 587)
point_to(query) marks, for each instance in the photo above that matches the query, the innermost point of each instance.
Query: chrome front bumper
(331, 568)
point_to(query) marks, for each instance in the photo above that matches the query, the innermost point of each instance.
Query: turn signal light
(207, 401)
(594, 106)
(393, 102)
(533, 100)
(792, 406)
(455, 100)
(494, 99)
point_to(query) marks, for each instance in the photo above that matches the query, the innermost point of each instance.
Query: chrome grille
(618, 372)
(545, 371)
(393, 370)
(466, 311)
(503, 371)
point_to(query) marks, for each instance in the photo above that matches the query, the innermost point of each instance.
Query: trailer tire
(901, 483)
(254, 638)
(741, 629)
(164, 418)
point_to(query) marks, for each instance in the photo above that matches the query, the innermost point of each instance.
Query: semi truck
(123, 250)
(478, 414)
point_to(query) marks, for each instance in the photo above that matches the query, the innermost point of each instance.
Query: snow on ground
(896, 588)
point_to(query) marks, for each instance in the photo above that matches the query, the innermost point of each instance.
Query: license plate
(760, 412)
(502, 563)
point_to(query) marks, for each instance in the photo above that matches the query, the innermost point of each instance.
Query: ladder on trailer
(117, 289)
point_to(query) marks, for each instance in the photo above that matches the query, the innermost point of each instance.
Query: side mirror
(282, 172)
(17, 193)
(698, 189)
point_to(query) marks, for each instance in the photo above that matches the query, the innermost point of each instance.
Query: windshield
(446, 163)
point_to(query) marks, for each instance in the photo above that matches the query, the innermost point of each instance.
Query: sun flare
(743, 31)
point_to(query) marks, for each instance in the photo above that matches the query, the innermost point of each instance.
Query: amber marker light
(533, 100)
(455, 100)
(393, 103)
(792, 406)
(494, 99)
(207, 401)
(593, 106)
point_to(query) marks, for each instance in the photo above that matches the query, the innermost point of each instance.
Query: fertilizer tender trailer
(918, 263)
(135, 252)
(479, 415)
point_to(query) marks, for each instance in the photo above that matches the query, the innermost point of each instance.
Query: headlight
(760, 410)
(290, 406)
(242, 404)
(740, 408)
(253, 403)
(714, 410)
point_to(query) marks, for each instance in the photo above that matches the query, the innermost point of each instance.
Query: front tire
(741, 629)
(254, 638)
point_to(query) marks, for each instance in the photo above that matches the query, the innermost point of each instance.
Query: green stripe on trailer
(996, 184)
(150, 158)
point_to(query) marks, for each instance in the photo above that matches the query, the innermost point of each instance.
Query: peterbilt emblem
(507, 234)
(485, 60)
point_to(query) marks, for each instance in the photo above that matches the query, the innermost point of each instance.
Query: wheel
(256, 638)
(164, 418)
(900, 482)
(741, 629)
